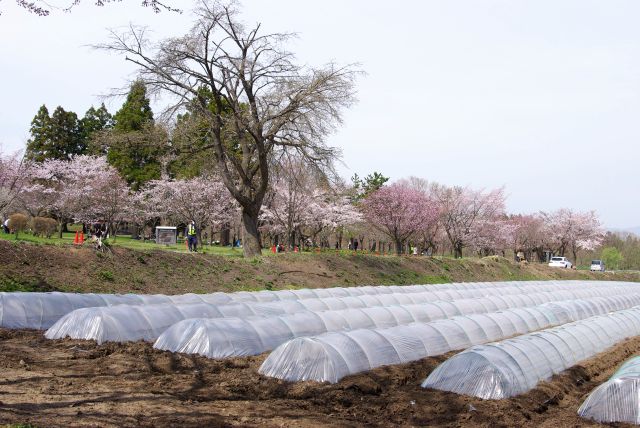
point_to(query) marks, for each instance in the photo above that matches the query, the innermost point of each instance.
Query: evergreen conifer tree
(136, 145)
(57, 136)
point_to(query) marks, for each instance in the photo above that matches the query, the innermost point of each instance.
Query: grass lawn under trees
(122, 241)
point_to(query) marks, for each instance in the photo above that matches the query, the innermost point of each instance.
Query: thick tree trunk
(292, 239)
(457, 251)
(135, 232)
(399, 246)
(113, 233)
(225, 235)
(251, 244)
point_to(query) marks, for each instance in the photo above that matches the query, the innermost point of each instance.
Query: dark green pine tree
(55, 137)
(37, 144)
(95, 120)
(135, 112)
(136, 147)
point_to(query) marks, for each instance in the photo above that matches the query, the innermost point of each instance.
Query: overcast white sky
(540, 96)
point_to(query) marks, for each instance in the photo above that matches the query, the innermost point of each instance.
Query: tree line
(302, 209)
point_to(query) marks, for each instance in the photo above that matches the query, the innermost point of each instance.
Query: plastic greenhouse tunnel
(618, 399)
(128, 323)
(147, 322)
(41, 310)
(514, 366)
(229, 337)
(332, 356)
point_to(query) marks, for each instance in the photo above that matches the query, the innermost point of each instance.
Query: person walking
(192, 237)
(98, 237)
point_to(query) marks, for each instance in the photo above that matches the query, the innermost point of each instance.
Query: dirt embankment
(29, 267)
(64, 383)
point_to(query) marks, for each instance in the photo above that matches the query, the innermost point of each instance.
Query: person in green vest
(192, 237)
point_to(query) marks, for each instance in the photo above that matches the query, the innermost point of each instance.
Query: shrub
(18, 223)
(611, 257)
(107, 275)
(44, 226)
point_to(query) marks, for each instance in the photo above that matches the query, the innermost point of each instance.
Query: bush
(107, 275)
(18, 223)
(611, 257)
(44, 226)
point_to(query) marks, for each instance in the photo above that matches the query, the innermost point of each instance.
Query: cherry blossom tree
(302, 204)
(399, 210)
(14, 176)
(430, 235)
(569, 230)
(289, 199)
(528, 236)
(492, 235)
(107, 198)
(466, 211)
(50, 192)
(329, 213)
(204, 200)
(85, 189)
(139, 211)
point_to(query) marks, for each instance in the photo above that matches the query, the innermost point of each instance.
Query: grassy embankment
(132, 266)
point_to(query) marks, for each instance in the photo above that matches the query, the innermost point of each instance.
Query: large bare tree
(257, 100)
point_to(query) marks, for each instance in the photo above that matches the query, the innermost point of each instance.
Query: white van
(597, 266)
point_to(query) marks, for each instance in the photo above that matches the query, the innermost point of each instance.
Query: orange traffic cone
(81, 238)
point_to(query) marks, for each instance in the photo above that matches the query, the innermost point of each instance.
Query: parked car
(597, 266)
(562, 262)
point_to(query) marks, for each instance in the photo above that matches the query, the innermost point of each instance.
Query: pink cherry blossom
(400, 210)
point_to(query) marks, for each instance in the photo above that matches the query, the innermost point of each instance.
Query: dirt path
(77, 383)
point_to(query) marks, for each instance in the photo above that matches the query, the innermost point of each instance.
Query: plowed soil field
(62, 383)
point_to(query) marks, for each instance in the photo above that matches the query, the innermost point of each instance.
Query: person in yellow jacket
(192, 236)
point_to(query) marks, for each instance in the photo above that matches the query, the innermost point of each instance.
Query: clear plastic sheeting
(425, 293)
(147, 322)
(41, 310)
(514, 366)
(228, 337)
(332, 356)
(618, 399)
(443, 291)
